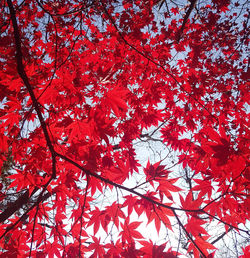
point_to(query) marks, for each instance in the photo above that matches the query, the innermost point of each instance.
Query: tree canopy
(117, 115)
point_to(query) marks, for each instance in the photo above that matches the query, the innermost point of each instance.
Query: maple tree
(84, 84)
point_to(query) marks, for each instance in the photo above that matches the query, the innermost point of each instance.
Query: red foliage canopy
(82, 83)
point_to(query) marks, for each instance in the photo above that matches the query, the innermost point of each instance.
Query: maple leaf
(129, 232)
(97, 247)
(114, 249)
(189, 203)
(130, 203)
(194, 226)
(156, 170)
(204, 186)
(115, 99)
(174, 10)
(119, 173)
(167, 186)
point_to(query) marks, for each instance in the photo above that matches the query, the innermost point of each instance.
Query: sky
(152, 151)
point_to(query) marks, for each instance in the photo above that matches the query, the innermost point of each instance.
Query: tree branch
(40, 199)
(14, 206)
(221, 236)
(24, 77)
(190, 9)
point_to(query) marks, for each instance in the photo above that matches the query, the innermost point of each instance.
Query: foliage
(83, 84)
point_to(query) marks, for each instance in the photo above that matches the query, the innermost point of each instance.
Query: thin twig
(33, 229)
(188, 235)
(83, 208)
